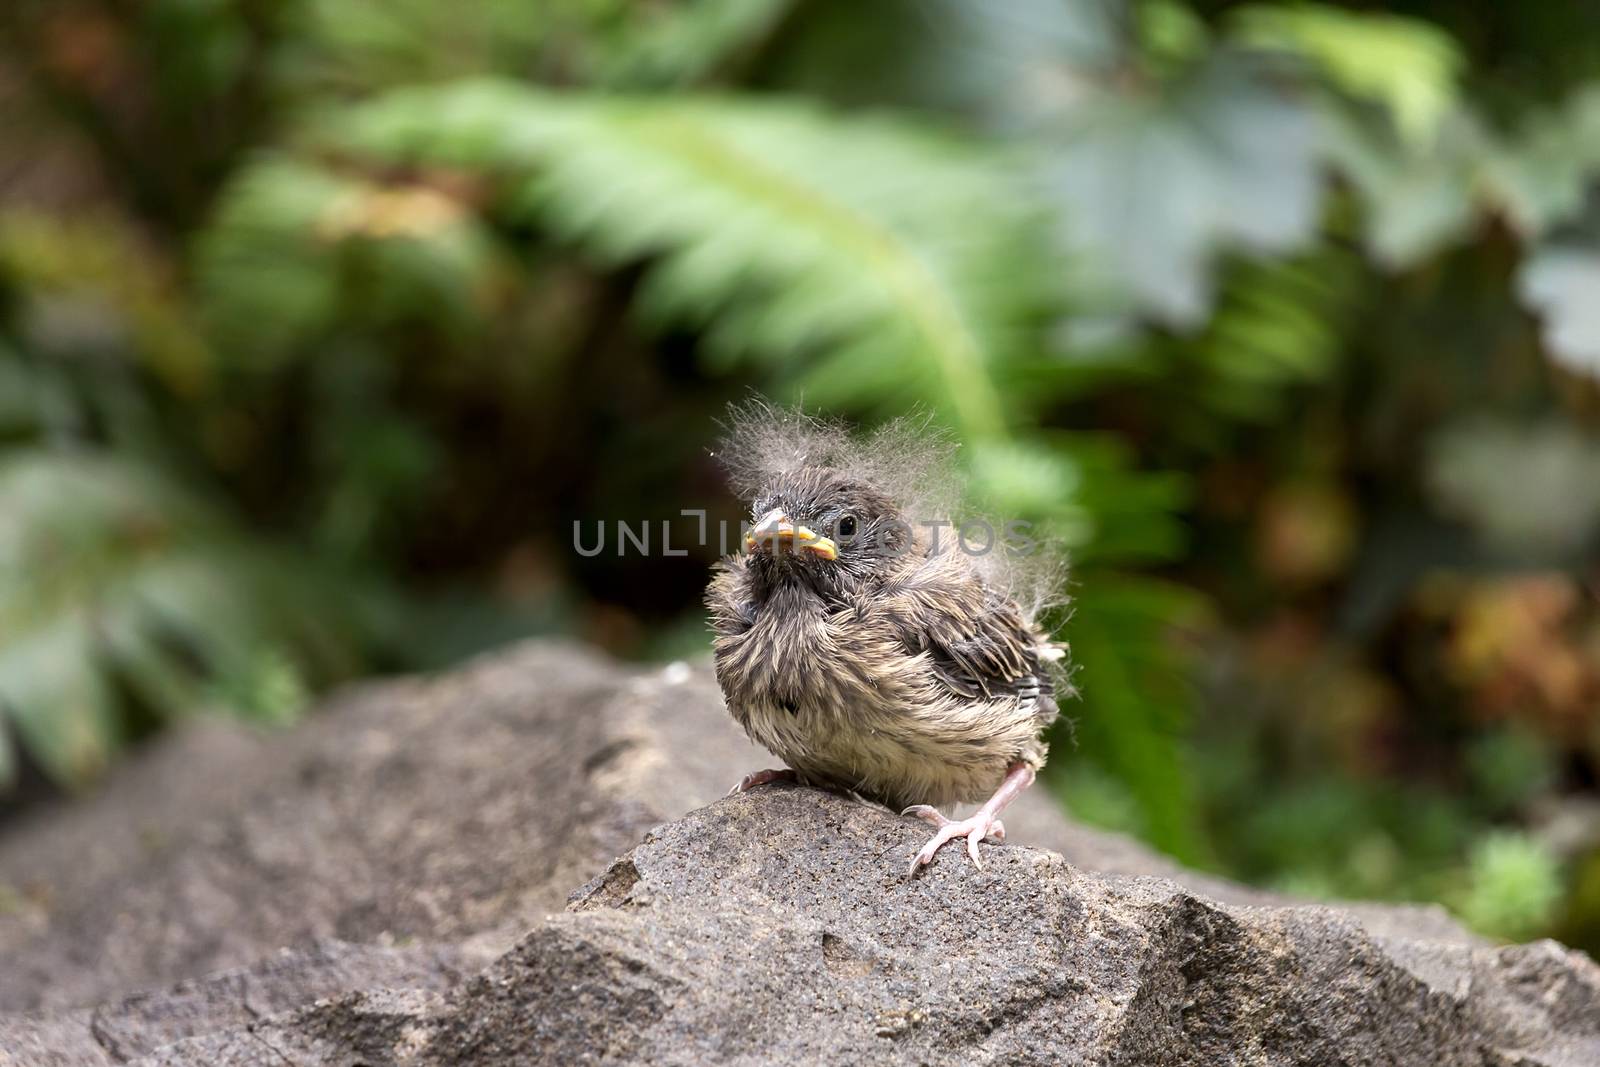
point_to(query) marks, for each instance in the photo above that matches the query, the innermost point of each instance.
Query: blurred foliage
(320, 324)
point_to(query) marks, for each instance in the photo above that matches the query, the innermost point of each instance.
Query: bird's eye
(847, 526)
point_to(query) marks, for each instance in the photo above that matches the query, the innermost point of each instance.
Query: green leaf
(1150, 188)
(1171, 33)
(1136, 700)
(1023, 478)
(1560, 283)
(1278, 323)
(355, 45)
(1417, 202)
(1421, 198)
(1117, 513)
(681, 44)
(114, 580)
(297, 251)
(1513, 886)
(1407, 65)
(267, 282)
(778, 228)
(1540, 177)
(54, 693)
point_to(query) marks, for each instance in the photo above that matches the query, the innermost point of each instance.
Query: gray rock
(457, 809)
(434, 828)
(133, 1026)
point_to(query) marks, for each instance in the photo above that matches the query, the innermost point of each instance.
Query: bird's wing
(978, 643)
(726, 598)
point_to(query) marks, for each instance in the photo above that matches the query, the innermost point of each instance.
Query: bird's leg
(985, 822)
(755, 778)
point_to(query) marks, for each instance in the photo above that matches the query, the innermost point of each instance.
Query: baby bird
(860, 647)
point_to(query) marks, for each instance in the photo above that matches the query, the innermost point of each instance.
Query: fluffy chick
(862, 649)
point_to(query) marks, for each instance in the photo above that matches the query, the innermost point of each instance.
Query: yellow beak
(775, 530)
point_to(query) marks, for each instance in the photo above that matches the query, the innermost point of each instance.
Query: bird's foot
(930, 814)
(974, 828)
(755, 778)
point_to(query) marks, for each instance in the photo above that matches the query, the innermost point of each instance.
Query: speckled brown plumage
(857, 650)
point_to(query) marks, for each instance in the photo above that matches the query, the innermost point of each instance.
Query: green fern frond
(1407, 65)
(881, 247)
(1138, 687)
(1278, 323)
(116, 585)
(360, 45)
(298, 251)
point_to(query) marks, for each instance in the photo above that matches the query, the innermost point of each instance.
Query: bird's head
(820, 525)
(838, 513)
(832, 510)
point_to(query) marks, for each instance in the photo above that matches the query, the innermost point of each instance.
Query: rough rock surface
(384, 884)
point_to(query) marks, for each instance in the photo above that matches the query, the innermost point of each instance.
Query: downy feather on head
(911, 461)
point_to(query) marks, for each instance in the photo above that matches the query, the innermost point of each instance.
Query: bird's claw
(930, 814)
(755, 778)
(974, 828)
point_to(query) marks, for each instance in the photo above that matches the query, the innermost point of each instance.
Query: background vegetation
(322, 320)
